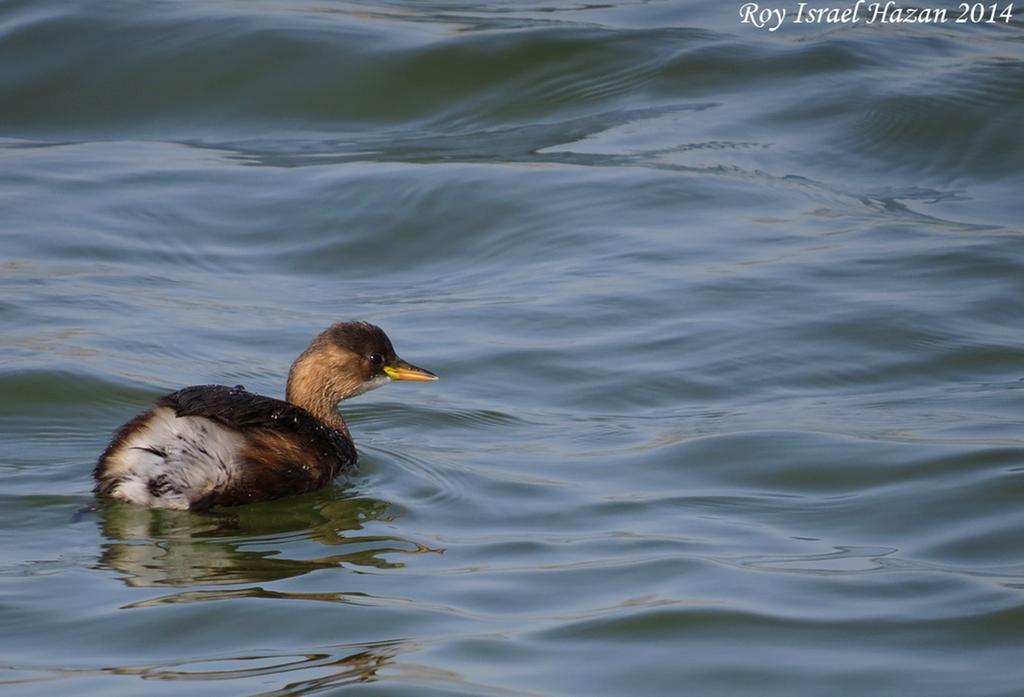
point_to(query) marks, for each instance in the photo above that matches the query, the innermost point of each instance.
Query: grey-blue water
(728, 321)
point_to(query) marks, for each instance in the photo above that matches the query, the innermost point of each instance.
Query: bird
(214, 445)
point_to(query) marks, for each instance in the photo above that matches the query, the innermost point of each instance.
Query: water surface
(728, 324)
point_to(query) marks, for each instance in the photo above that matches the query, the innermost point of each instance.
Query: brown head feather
(343, 361)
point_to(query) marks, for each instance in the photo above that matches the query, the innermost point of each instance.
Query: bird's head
(345, 360)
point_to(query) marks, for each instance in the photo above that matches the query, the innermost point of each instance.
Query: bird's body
(211, 445)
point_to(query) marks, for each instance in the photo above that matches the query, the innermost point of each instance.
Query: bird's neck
(309, 388)
(327, 412)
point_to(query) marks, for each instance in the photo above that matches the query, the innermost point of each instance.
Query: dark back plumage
(288, 450)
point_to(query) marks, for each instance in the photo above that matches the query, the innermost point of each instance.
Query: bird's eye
(376, 359)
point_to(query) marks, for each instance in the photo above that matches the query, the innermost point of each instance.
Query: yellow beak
(406, 371)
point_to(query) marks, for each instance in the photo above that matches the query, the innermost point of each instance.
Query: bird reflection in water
(308, 671)
(160, 548)
(151, 547)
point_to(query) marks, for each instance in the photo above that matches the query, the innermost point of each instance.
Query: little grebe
(211, 445)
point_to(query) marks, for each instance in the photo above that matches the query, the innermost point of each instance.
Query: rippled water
(729, 324)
